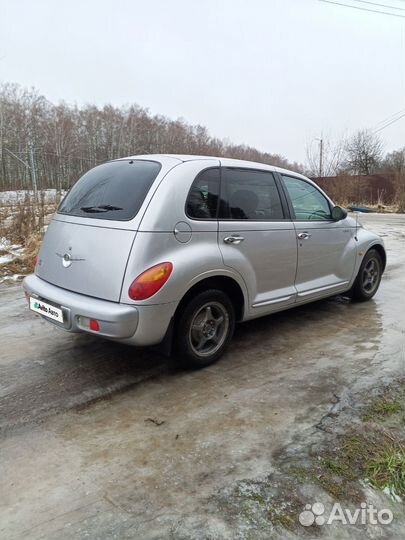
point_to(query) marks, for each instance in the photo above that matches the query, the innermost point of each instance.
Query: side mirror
(338, 213)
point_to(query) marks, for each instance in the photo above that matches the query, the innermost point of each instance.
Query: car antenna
(357, 226)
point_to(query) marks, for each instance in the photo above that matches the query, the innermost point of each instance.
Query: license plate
(46, 309)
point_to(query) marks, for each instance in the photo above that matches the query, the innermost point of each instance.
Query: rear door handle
(233, 239)
(304, 236)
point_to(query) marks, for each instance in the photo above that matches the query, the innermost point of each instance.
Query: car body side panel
(167, 234)
(193, 261)
(365, 241)
(326, 259)
(267, 258)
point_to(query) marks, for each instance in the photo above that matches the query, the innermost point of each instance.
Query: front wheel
(369, 277)
(204, 328)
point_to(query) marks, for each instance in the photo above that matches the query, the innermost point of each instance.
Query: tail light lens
(149, 282)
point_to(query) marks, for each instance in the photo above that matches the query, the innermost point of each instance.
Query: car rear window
(114, 190)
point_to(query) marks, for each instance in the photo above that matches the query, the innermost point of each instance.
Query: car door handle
(304, 236)
(233, 239)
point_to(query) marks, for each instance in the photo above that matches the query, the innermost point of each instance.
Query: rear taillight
(149, 282)
(35, 261)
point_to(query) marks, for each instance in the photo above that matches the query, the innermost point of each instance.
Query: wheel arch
(381, 251)
(226, 284)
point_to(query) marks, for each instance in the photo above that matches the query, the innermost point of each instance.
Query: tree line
(57, 143)
(361, 154)
(357, 170)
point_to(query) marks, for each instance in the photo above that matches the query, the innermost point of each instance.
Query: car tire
(204, 329)
(368, 278)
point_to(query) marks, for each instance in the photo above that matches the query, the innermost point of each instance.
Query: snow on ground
(9, 252)
(4, 259)
(13, 197)
(13, 249)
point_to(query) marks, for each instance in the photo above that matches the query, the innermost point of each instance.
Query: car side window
(249, 194)
(202, 200)
(308, 202)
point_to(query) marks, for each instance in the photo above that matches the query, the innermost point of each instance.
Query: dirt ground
(102, 441)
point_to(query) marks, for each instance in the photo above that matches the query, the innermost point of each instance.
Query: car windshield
(114, 190)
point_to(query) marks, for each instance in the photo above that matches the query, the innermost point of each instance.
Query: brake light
(149, 282)
(35, 261)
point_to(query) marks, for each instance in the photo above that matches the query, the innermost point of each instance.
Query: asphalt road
(100, 440)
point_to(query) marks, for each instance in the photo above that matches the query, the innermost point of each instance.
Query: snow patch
(14, 197)
(12, 251)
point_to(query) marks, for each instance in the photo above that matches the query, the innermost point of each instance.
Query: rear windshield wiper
(101, 208)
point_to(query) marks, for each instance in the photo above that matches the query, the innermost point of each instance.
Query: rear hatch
(88, 242)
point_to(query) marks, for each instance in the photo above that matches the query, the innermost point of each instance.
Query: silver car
(174, 250)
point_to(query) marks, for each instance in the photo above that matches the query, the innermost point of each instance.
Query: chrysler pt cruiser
(176, 249)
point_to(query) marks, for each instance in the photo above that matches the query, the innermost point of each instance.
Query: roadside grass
(387, 471)
(376, 455)
(275, 500)
(372, 451)
(365, 454)
(23, 264)
(382, 408)
(370, 454)
(389, 406)
(284, 516)
(365, 451)
(22, 226)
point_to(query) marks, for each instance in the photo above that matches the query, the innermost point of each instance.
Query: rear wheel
(369, 277)
(204, 328)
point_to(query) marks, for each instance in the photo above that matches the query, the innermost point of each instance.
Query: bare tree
(363, 152)
(394, 161)
(331, 160)
(67, 140)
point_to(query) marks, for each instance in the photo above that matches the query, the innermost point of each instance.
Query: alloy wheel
(209, 328)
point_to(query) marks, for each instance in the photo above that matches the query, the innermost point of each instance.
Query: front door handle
(233, 239)
(304, 236)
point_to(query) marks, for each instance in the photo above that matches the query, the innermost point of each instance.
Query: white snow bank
(13, 197)
(13, 251)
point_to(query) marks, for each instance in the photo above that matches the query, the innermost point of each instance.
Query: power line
(391, 117)
(389, 123)
(363, 9)
(379, 5)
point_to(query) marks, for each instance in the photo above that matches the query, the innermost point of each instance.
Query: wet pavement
(103, 441)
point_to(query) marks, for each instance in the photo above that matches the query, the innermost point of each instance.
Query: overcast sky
(273, 74)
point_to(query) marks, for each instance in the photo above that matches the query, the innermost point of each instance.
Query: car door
(326, 248)
(257, 238)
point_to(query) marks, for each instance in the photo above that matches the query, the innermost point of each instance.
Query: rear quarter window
(202, 200)
(114, 190)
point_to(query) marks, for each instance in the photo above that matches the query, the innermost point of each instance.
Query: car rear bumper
(137, 325)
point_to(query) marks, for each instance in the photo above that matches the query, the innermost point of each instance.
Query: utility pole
(33, 172)
(320, 157)
(29, 167)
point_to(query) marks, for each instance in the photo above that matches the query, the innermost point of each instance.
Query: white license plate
(46, 310)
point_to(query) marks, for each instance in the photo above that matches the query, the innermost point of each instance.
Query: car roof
(224, 161)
